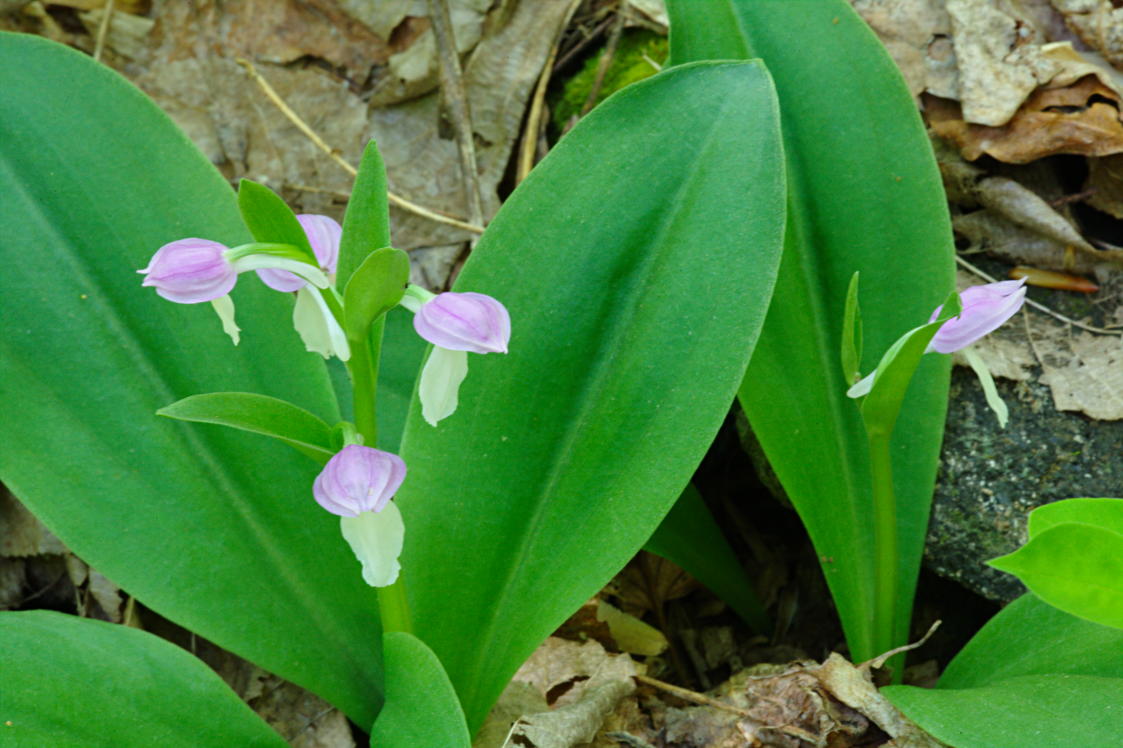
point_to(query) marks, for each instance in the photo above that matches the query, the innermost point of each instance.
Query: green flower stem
(363, 368)
(885, 544)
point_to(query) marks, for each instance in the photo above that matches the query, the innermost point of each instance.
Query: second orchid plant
(299, 254)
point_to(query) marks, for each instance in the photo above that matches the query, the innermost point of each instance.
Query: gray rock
(990, 478)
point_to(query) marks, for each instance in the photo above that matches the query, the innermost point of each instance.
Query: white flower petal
(994, 400)
(440, 383)
(317, 326)
(376, 538)
(224, 307)
(862, 387)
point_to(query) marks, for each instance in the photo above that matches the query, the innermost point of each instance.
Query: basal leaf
(213, 529)
(1105, 513)
(1075, 567)
(865, 196)
(145, 691)
(1031, 637)
(636, 262)
(1043, 711)
(421, 705)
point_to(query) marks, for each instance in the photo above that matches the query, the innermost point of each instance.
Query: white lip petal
(376, 539)
(317, 326)
(862, 387)
(439, 388)
(224, 307)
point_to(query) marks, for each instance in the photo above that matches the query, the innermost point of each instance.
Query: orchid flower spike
(357, 484)
(191, 271)
(985, 309)
(456, 324)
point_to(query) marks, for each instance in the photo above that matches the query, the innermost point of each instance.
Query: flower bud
(358, 479)
(471, 322)
(323, 234)
(190, 271)
(985, 309)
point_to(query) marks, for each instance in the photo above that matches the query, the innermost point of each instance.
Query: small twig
(878, 661)
(1040, 307)
(529, 145)
(692, 696)
(103, 29)
(605, 61)
(1066, 199)
(456, 99)
(579, 47)
(293, 117)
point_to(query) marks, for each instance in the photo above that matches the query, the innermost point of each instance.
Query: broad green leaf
(865, 196)
(852, 334)
(366, 224)
(1058, 710)
(76, 683)
(269, 219)
(689, 537)
(421, 705)
(636, 262)
(1105, 513)
(375, 288)
(1031, 637)
(214, 529)
(1076, 567)
(258, 414)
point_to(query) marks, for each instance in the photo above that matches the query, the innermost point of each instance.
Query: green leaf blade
(1044, 711)
(148, 692)
(421, 705)
(213, 529)
(1105, 513)
(626, 351)
(1031, 637)
(1075, 567)
(366, 224)
(257, 414)
(375, 288)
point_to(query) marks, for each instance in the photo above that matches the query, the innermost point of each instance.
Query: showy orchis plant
(954, 325)
(359, 481)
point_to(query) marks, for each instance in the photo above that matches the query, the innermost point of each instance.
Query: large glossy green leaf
(146, 692)
(1074, 566)
(636, 262)
(1105, 513)
(1059, 710)
(865, 196)
(1030, 637)
(217, 530)
(421, 705)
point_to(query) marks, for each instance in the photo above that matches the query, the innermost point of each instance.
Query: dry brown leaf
(1082, 119)
(127, 35)
(578, 684)
(1098, 23)
(23, 534)
(421, 157)
(1083, 371)
(1105, 183)
(999, 60)
(630, 633)
(917, 35)
(648, 582)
